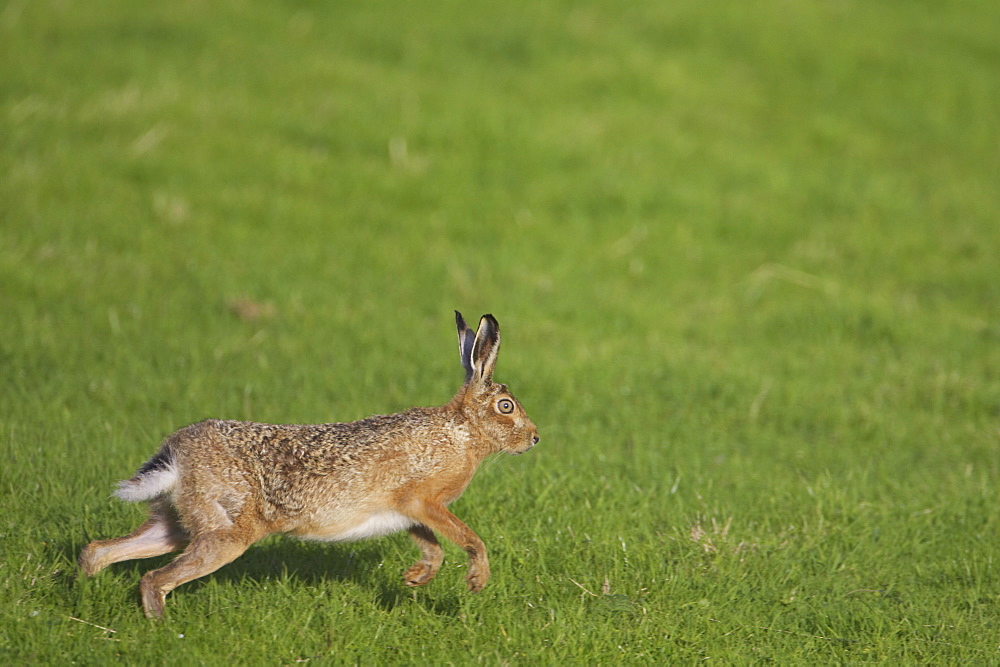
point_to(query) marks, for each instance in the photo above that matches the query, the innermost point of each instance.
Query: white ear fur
(486, 348)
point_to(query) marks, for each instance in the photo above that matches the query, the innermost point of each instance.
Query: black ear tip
(459, 320)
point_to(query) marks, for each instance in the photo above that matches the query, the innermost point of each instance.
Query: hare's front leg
(436, 517)
(425, 569)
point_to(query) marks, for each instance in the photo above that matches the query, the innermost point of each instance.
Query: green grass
(745, 260)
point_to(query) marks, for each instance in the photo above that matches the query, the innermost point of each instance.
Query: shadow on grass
(443, 604)
(310, 563)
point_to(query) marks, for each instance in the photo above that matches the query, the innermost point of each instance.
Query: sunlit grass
(744, 259)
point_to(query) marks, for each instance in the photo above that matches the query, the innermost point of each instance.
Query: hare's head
(491, 408)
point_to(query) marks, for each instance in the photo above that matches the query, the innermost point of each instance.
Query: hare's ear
(485, 348)
(466, 337)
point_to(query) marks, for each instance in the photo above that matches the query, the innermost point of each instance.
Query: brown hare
(216, 487)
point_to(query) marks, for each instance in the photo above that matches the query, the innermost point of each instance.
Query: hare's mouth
(534, 441)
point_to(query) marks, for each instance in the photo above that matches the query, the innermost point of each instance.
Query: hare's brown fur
(216, 487)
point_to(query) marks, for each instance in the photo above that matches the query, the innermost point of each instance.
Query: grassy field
(745, 260)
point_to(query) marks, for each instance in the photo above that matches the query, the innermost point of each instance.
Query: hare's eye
(505, 405)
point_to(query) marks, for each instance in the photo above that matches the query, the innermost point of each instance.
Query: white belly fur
(375, 524)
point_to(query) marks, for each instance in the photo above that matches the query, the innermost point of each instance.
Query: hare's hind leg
(205, 554)
(425, 569)
(160, 534)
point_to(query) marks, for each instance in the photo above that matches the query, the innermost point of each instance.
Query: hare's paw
(421, 573)
(90, 560)
(153, 598)
(478, 575)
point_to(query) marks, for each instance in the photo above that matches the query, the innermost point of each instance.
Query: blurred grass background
(744, 256)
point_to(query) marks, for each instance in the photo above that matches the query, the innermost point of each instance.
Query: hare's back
(308, 446)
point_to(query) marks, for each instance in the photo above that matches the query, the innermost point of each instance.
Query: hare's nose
(534, 439)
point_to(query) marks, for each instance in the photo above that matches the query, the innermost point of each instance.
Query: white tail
(148, 485)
